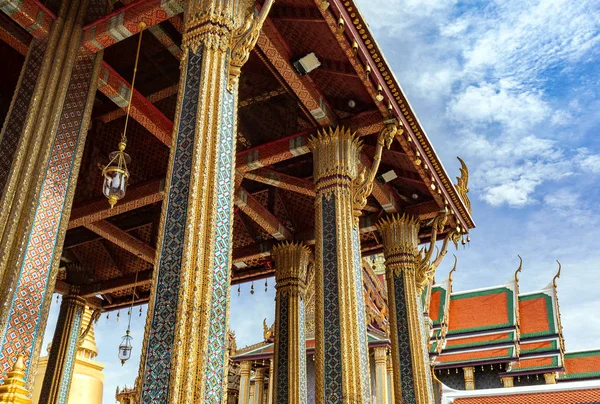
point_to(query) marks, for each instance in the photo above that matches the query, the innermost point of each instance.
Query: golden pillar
(407, 273)
(38, 189)
(381, 388)
(13, 390)
(271, 381)
(189, 307)
(390, 380)
(508, 381)
(252, 392)
(59, 371)
(469, 375)
(245, 369)
(550, 378)
(291, 265)
(340, 334)
(259, 385)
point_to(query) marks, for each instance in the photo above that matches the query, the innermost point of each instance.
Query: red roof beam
(118, 90)
(283, 181)
(32, 15)
(123, 239)
(124, 22)
(261, 215)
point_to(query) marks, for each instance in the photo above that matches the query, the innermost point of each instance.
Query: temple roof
(278, 110)
(581, 365)
(562, 393)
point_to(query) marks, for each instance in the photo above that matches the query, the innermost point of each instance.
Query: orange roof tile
(476, 356)
(481, 310)
(530, 364)
(554, 397)
(539, 346)
(582, 365)
(480, 340)
(438, 297)
(536, 315)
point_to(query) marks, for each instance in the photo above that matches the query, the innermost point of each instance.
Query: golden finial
(13, 390)
(462, 184)
(520, 269)
(557, 274)
(453, 269)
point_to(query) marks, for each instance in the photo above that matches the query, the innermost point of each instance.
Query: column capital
(508, 381)
(469, 375)
(380, 354)
(550, 378)
(400, 235)
(259, 373)
(335, 155)
(291, 267)
(245, 367)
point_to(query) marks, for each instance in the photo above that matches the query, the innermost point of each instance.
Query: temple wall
(310, 379)
(531, 381)
(453, 380)
(488, 379)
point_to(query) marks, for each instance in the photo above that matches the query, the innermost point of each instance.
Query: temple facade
(160, 151)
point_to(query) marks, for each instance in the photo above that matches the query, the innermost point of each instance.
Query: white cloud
(503, 102)
(589, 162)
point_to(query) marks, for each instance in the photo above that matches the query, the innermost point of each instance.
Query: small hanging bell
(252, 288)
(118, 315)
(266, 285)
(140, 311)
(239, 290)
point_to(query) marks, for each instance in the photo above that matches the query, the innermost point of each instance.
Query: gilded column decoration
(40, 185)
(188, 318)
(13, 390)
(469, 375)
(291, 266)
(61, 360)
(271, 381)
(390, 380)
(245, 369)
(381, 388)
(259, 385)
(508, 381)
(340, 326)
(550, 378)
(408, 271)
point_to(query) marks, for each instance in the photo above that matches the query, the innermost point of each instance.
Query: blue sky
(513, 87)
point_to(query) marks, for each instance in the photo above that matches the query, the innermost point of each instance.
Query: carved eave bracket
(243, 41)
(426, 265)
(462, 185)
(362, 186)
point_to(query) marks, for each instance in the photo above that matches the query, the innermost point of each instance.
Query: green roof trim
(586, 375)
(509, 338)
(488, 292)
(553, 365)
(510, 355)
(549, 310)
(582, 354)
(553, 347)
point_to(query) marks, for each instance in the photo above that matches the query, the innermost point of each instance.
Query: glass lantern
(125, 348)
(116, 175)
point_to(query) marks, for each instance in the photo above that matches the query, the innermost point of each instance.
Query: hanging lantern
(125, 348)
(115, 173)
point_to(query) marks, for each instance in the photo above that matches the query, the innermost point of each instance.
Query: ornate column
(61, 360)
(291, 264)
(508, 381)
(271, 381)
(381, 390)
(188, 318)
(469, 375)
(390, 380)
(245, 369)
(259, 385)
(252, 392)
(550, 378)
(39, 186)
(408, 271)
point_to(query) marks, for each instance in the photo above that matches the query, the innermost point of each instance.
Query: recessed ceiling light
(415, 196)
(389, 176)
(351, 103)
(307, 63)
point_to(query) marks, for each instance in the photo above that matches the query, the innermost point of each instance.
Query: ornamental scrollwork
(363, 183)
(243, 41)
(462, 185)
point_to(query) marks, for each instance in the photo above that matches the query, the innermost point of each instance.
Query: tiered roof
(482, 325)
(581, 365)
